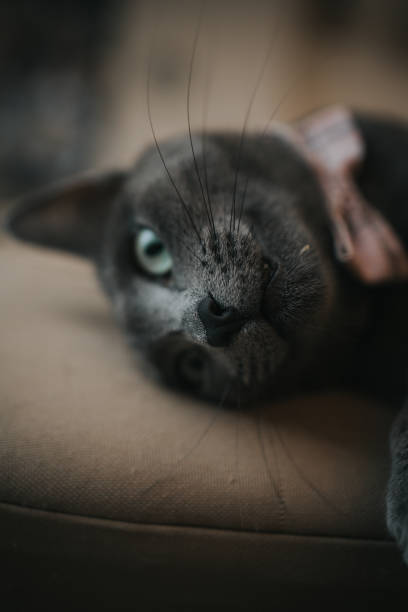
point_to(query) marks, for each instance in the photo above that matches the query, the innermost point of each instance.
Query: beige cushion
(84, 434)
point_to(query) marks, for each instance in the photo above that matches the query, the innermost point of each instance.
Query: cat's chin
(239, 372)
(228, 393)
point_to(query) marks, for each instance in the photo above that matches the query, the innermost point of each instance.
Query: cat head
(218, 265)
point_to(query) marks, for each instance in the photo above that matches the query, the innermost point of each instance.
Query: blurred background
(74, 73)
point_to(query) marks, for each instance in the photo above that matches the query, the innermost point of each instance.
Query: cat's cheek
(192, 325)
(149, 311)
(119, 307)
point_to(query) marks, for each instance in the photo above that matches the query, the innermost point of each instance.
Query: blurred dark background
(73, 72)
(50, 101)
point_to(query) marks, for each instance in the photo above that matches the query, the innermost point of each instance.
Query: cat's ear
(70, 216)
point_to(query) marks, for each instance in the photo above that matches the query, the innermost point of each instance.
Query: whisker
(305, 478)
(239, 415)
(194, 447)
(287, 91)
(275, 484)
(204, 138)
(187, 247)
(190, 78)
(159, 151)
(264, 133)
(190, 250)
(246, 120)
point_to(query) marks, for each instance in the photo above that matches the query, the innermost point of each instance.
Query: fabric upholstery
(89, 446)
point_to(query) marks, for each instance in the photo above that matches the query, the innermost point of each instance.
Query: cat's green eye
(151, 253)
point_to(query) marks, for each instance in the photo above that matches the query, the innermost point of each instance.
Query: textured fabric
(83, 433)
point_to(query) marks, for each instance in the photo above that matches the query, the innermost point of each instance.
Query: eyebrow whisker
(159, 151)
(207, 204)
(264, 133)
(258, 83)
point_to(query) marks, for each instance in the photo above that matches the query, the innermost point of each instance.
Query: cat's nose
(220, 323)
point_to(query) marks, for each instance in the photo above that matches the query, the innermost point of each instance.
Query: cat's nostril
(212, 312)
(220, 323)
(214, 307)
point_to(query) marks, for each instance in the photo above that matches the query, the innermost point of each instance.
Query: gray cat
(218, 257)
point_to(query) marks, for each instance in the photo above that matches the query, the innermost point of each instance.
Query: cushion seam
(118, 522)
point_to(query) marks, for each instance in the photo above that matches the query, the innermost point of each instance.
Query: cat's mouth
(239, 372)
(198, 373)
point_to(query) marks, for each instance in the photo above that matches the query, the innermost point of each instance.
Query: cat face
(216, 275)
(218, 302)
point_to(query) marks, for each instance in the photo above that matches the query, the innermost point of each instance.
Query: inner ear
(71, 216)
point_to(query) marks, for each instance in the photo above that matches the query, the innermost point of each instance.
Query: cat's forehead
(188, 160)
(184, 173)
(170, 160)
(173, 178)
